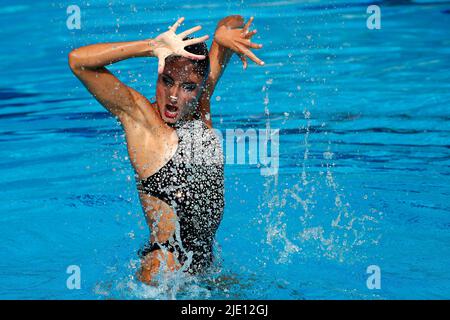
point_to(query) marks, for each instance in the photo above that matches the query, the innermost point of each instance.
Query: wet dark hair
(201, 67)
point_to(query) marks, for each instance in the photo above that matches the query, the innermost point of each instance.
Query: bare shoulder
(142, 115)
(144, 126)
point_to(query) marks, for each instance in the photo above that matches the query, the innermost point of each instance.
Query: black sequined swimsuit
(192, 184)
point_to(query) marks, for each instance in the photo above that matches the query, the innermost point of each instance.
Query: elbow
(237, 17)
(73, 61)
(233, 21)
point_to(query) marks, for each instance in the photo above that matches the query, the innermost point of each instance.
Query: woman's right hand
(168, 43)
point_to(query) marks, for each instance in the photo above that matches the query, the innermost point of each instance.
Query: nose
(173, 94)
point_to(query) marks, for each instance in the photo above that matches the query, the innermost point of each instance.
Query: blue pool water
(364, 153)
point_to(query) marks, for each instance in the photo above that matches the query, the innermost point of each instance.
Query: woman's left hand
(239, 41)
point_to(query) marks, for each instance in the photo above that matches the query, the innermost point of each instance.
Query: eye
(189, 87)
(167, 81)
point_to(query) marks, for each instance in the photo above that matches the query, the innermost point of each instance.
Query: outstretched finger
(195, 40)
(250, 44)
(250, 34)
(184, 34)
(244, 61)
(251, 55)
(247, 25)
(176, 24)
(192, 56)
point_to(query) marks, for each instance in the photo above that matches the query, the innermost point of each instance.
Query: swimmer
(183, 200)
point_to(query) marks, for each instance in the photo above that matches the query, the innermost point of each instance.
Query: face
(177, 90)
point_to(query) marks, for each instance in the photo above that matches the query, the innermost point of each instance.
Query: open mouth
(171, 111)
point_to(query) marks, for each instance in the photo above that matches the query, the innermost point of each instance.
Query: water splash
(331, 230)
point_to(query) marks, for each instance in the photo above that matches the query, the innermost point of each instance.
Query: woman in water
(181, 192)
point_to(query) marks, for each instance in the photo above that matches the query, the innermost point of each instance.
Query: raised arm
(231, 36)
(89, 65)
